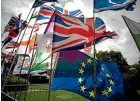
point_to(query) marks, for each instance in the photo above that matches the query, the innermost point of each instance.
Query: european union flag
(103, 5)
(74, 73)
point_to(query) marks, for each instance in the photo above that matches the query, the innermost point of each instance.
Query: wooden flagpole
(50, 80)
(94, 55)
(56, 59)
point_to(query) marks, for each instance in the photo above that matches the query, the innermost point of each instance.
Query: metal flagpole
(16, 41)
(52, 72)
(27, 47)
(28, 74)
(15, 54)
(94, 55)
(15, 45)
(50, 81)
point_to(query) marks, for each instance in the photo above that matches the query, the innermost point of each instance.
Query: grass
(59, 95)
(43, 86)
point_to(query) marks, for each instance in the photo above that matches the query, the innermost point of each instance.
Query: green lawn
(59, 95)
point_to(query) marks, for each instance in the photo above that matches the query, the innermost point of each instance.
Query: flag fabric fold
(111, 35)
(103, 5)
(71, 33)
(47, 11)
(74, 72)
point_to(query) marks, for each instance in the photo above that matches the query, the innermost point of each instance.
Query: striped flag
(134, 28)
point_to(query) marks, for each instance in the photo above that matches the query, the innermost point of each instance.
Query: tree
(114, 56)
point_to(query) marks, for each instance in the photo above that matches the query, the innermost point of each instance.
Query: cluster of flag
(70, 30)
(13, 28)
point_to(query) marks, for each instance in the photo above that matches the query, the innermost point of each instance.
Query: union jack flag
(100, 27)
(14, 27)
(76, 13)
(45, 14)
(11, 23)
(110, 35)
(47, 11)
(71, 33)
(100, 30)
(15, 24)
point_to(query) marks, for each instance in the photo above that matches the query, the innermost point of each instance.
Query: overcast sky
(113, 20)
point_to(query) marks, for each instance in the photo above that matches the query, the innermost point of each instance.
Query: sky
(113, 20)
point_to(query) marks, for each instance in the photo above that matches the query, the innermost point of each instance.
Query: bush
(16, 80)
(15, 83)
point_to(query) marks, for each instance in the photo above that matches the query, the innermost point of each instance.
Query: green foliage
(114, 56)
(16, 80)
(135, 65)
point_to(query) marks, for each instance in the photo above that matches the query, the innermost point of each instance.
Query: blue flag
(103, 5)
(74, 72)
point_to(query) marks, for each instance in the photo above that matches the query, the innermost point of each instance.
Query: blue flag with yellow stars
(74, 72)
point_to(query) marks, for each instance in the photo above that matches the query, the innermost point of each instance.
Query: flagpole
(17, 40)
(94, 55)
(27, 46)
(131, 33)
(52, 74)
(15, 53)
(50, 81)
(28, 74)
